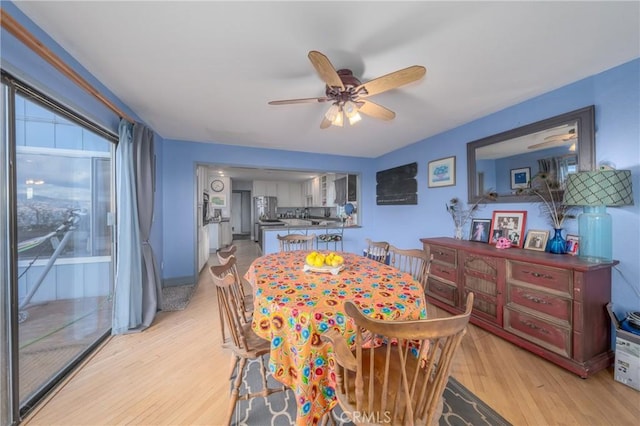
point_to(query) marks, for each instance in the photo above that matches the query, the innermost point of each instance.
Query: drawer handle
(442, 271)
(441, 253)
(534, 327)
(535, 299)
(538, 275)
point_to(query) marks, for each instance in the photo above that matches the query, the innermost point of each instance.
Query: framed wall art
(480, 230)
(536, 240)
(442, 172)
(572, 244)
(218, 200)
(509, 224)
(520, 177)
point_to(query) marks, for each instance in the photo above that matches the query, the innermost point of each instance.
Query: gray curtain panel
(127, 298)
(144, 163)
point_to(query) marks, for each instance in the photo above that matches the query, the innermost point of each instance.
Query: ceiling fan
(348, 95)
(556, 139)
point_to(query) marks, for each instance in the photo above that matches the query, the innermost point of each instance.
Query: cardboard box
(627, 362)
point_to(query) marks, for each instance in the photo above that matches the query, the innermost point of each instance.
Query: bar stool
(331, 237)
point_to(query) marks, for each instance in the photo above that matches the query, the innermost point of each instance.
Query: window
(62, 199)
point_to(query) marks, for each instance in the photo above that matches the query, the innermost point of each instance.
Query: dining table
(294, 306)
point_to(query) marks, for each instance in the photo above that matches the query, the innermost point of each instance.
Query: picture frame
(573, 244)
(520, 178)
(442, 172)
(509, 224)
(536, 240)
(218, 200)
(480, 230)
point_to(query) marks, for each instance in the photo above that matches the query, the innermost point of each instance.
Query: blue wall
(615, 94)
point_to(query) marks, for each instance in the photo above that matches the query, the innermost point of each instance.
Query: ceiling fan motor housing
(350, 82)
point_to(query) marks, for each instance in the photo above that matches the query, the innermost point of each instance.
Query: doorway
(241, 214)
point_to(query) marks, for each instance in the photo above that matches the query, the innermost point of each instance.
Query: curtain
(145, 189)
(127, 297)
(137, 285)
(341, 191)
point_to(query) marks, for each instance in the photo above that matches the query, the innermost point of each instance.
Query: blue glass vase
(557, 244)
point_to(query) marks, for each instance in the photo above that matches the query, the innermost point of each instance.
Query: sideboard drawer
(544, 333)
(444, 255)
(441, 291)
(559, 280)
(539, 301)
(444, 272)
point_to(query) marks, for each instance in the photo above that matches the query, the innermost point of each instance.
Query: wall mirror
(504, 163)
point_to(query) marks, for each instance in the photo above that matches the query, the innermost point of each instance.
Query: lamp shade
(599, 188)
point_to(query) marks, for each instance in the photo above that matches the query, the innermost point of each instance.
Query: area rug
(461, 407)
(176, 298)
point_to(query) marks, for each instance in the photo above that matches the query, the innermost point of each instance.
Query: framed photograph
(520, 177)
(480, 230)
(536, 240)
(509, 224)
(442, 172)
(218, 200)
(572, 244)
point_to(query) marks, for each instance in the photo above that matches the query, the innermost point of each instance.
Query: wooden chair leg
(235, 392)
(234, 363)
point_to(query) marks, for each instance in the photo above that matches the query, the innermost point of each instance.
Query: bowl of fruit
(331, 263)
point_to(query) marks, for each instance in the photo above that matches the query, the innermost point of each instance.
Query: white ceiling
(204, 71)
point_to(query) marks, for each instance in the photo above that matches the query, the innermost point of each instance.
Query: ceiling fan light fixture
(350, 109)
(332, 112)
(338, 119)
(355, 118)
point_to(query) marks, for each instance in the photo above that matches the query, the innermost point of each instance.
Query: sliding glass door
(62, 245)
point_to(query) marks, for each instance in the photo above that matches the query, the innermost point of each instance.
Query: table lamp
(595, 191)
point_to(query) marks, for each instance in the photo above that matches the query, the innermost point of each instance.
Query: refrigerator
(263, 208)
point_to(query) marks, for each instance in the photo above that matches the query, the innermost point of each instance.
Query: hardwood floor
(176, 373)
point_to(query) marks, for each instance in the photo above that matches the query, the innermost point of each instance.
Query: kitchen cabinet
(551, 305)
(265, 188)
(220, 235)
(289, 194)
(311, 192)
(328, 190)
(226, 234)
(215, 237)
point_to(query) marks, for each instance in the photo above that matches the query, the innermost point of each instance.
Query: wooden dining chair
(412, 261)
(247, 299)
(400, 383)
(292, 242)
(377, 250)
(245, 344)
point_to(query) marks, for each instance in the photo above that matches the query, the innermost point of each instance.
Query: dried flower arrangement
(461, 216)
(550, 193)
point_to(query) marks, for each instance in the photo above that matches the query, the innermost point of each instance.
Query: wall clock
(217, 185)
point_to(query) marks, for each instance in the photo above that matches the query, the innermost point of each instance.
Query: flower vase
(557, 244)
(458, 233)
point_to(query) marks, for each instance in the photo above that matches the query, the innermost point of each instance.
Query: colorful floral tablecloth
(293, 308)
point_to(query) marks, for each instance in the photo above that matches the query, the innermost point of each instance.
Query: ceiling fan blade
(377, 111)
(327, 72)
(557, 141)
(392, 80)
(325, 123)
(299, 101)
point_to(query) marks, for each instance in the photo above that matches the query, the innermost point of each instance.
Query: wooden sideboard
(551, 305)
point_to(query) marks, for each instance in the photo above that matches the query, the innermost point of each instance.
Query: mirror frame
(585, 119)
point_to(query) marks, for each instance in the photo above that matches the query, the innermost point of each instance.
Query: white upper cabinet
(265, 188)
